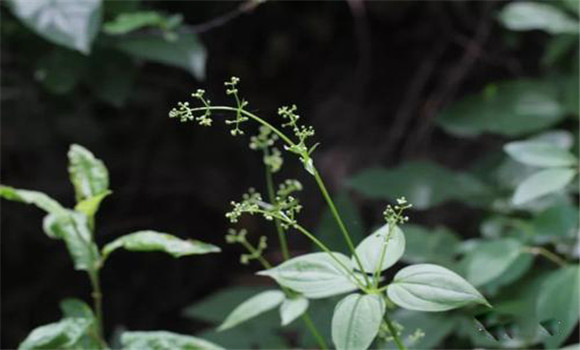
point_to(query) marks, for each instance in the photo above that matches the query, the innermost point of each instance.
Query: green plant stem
(97, 305)
(546, 254)
(272, 198)
(393, 332)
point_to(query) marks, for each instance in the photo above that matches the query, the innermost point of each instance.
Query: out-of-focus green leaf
(555, 223)
(38, 199)
(490, 259)
(432, 288)
(60, 70)
(73, 228)
(519, 267)
(527, 15)
(424, 184)
(543, 183)
(185, 52)
(356, 321)
(75, 308)
(292, 308)
(150, 241)
(60, 335)
(88, 174)
(514, 108)
(72, 24)
(437, 246)
(558, 47)
(128, 22)
(540, 154)
(253, 307)
(436, 328)
(327, 230)
(110, 76)
(163, 340)
(384, 246)
(558, 301)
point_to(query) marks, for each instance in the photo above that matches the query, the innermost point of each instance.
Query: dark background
(370, 82)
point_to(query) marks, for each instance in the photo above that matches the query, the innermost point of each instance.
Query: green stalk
(271, 196)
(98, 305)
(393, 332)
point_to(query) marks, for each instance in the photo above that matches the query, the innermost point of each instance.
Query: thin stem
(312, 327)
(340, 223)
(546, 254)
(393, 332)
(271, 196)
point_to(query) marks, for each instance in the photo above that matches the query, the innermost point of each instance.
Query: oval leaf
(543, 183)
(88, 174)
(150, 241)
(292, 308)
(163, 340)
(252, 307)
(541, 154)
(491, 259)
(383, 244)
(356, 321)
(427, 287)
(315, 275)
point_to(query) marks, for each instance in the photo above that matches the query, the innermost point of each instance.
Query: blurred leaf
(430, 246)
(39, 199)
(382, 246)
(559, 47)
(111, 76)
(556, 222)
(540, 154)
(127, 22)
(431, 288)
(523, 15)
(542, 183)
(60, 335)
(185, 52)
(516, 108)
(435, 326)
(356, 321)
(558, 301)
(73, 24)
(151, 241)
(163, 340)
(88, 174)
(73, 228)
(424, 184)
(256, 305)
(59, 71)
(327, 230)
(490, 259)
(75, 308)
(316, 275)
(292, 308)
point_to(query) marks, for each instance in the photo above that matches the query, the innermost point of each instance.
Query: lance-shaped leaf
(356, 321)
(427, 287)
(151, 241)
(88, 174)
(59, 335)
(543, 183)
(38, 199)
(292, 308)
(90, 206)
(383, 247)
(315, 275)
(73, 228)
(253, 307)
(539, 153)
(163, 340)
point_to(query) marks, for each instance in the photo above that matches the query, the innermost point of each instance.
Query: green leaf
(356, 321)
(38, 199)
(424, 184)
(541, 154)
(292, 308)
(326, 231)
(558, 301)
(91, 205)
(427, 287)
(60, 335)
(491, 259)
(435, 326)
(542, 183)
(556, 223)
(315, 275)
(88, 174)
(253, 307)
(185, 52)
(60, 70)
(430, 246)
(384, 246)
(127, 22)
(72, 24)
(151, 241)
(75, 308)
(521, 16)
(163, 340)
(112, 81)
(515, 108)
(73, 228)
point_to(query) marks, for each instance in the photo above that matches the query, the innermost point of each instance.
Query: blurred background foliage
(415, 99)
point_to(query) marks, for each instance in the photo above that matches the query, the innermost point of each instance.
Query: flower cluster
(264, 141)
(250, 204)
(395, 215)
(231, 89)
(255, 253)
(185, 113)
(301, 132)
